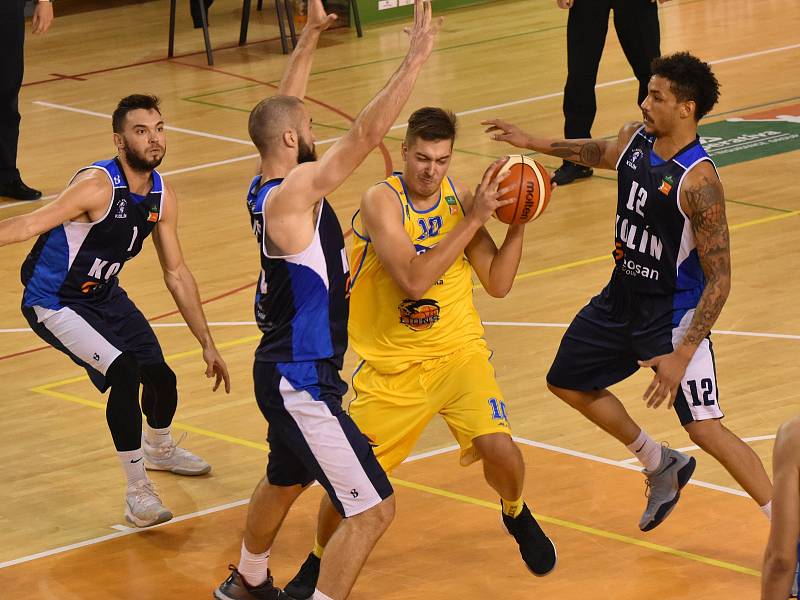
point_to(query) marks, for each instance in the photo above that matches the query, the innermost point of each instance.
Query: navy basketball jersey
(654, 244)
(301, 304)
(77, 262)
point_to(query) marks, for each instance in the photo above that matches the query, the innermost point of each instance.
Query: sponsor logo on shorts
(419, 315)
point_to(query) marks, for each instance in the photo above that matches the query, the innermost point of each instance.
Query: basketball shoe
(664, 486)
(236, 588)
(171, 457)
(143, 507)
(569, 172)
(537, 550)
(302, 586)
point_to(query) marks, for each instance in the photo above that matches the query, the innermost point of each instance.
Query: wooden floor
(62, 486)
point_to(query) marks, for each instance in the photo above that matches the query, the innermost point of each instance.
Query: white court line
(122, 530)
(757, 438)
(781, 336)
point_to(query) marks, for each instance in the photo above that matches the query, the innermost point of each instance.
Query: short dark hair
(431, 124)
(270, 117)
(129, 103)
(690, 79)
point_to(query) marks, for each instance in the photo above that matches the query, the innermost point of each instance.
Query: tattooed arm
(703, 201)
(602, 154)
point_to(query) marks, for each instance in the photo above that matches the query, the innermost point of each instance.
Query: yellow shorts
(392, 410)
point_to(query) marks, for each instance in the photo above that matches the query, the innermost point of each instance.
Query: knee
(574, 398)
(705, 434)
(495, 447)
(160, 376)
(378, 518)
(123, 371)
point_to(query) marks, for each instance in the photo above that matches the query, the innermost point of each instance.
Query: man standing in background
(12, 40)
(636, 23)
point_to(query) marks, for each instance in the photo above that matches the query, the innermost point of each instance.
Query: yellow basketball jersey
(386, 328)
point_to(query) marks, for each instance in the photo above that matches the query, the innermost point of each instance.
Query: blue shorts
(94, 333)
(311, 437)
(603, 344)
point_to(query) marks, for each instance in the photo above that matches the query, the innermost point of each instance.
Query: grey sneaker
(169, 456)
(664, 486)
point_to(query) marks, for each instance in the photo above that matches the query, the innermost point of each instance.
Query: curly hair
(690, 79)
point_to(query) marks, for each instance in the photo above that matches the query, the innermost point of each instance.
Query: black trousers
(636, 23)
(12, 39)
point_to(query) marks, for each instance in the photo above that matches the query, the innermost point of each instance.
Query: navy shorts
(94, 333)
(312, 438)
(603, 344)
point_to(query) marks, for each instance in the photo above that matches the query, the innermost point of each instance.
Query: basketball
(531, 190)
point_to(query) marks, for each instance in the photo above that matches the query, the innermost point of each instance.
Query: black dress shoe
(19, 191)
(569, 172)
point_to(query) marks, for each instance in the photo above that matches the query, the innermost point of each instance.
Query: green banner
(739, 140)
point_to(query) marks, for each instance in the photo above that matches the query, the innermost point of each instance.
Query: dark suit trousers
(12, 38)
(636, 23)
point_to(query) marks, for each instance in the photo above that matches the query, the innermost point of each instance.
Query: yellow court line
(594, 259)
(440, 492)
(583, 529)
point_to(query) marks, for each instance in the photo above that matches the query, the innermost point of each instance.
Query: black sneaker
(17, 190)
(537, 550)
(569, 172)
(236, 588)
(302, 586)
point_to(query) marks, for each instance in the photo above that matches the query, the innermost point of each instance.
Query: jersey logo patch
(666, 185)
(121, 214)
(419, 315)
(635, 157)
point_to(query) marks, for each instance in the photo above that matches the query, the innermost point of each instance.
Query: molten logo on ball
(530, 190)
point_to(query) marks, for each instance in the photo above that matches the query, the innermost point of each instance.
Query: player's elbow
(412, 292)
(777, 562)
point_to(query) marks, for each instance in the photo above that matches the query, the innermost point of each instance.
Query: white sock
(156, 437)
(253, 567)
(767, 510)
(320, 596)
(647, 451)
(133, 464)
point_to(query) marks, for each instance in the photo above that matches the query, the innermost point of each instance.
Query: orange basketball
(531, 191)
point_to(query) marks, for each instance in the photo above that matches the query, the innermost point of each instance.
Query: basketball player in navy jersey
(74, 302)
(670, 282)
(302, 309)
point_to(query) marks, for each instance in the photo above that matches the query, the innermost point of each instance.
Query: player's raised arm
(603, 154)
(88, 194)
(295, 77)
(309, 182)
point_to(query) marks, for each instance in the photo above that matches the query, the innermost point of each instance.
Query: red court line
(387, 158)
(77, 76)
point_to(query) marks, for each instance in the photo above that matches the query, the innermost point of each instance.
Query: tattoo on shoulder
(587, 153)
(706, 204)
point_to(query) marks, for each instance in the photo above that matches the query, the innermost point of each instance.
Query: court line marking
(755, 438)
(122, 530)
(781, 336)
(583, 528)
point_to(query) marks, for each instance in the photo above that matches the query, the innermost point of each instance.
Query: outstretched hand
(506, 132)
(317, 18)
(423, 32)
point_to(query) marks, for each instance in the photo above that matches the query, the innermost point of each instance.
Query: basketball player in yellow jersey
(418, 237)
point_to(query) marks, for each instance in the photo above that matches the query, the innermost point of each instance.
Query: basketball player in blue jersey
(670, 282)
(74, 302)
(302, 309)
(780, 558)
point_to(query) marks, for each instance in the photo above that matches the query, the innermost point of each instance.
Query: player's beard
(140, 163)
(305, 152)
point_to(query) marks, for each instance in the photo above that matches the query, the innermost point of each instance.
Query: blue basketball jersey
(301, 304)
(655, 250)
(80, 262)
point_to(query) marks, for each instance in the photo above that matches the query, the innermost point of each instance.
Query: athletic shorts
(311, 437)
(393, 409)
(93, 334)
(602, 347)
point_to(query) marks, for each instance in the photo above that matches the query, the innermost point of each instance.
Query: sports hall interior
(61, 528)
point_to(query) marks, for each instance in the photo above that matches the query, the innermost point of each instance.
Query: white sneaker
(143, 507)
(170, 457)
